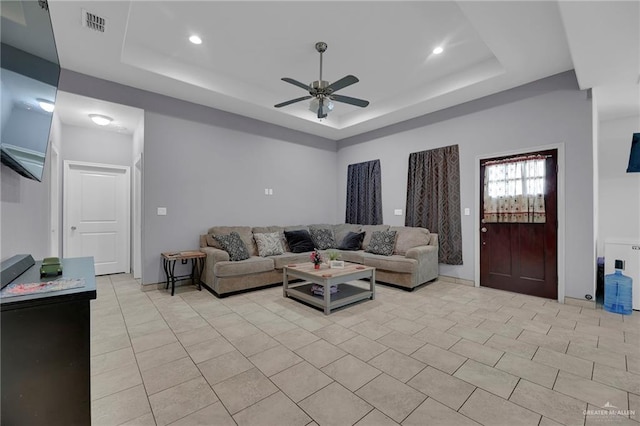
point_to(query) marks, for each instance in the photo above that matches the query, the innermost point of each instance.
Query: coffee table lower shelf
(346, 295)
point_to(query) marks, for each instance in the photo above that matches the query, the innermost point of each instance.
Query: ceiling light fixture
(327, 106)
(46, 105)
(195, 39)
(438, 50)
(100, 120)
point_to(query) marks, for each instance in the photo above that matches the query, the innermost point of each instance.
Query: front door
(96, 215)
(520, 256)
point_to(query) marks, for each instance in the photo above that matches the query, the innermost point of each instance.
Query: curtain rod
(516, 159)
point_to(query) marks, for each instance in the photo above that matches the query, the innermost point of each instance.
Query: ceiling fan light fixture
(46, 105)
(315, 104)
(195, 39)
(100, 120)
(438, 50)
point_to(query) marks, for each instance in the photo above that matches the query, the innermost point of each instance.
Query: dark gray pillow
(323, 238)
(299, 241)
(233, 245)
(382, 242)
(352, 241)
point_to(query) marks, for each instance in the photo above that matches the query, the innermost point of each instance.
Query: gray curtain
(364, 194)
(433, 198)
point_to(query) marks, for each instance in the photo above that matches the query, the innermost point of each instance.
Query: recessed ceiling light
(438, 50)
(46, 105)
(195, 39)
(100, 120)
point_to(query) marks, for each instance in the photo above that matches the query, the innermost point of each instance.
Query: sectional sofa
(414, 260)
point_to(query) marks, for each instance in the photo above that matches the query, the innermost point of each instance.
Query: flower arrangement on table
(316, 258)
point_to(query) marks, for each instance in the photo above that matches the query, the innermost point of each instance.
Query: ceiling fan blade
(343, 82)
(292, 101)
(296, 83)
(349, 100)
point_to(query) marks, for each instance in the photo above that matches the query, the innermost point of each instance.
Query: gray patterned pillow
(323, 238)
(233, 245)
(382, 242)
(268, 244)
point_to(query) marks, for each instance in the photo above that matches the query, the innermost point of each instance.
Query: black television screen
(29, 75)
(634, 156)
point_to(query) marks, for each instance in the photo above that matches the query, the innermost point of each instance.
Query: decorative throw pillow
(233, 245)
(323, 238)
(382, 242)
(352, 241)
(299, 241)
(268, 244)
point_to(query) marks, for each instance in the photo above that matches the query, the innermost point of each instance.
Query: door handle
(483, 229)
(73, 228)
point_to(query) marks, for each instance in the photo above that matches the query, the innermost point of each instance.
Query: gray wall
(96, 146)
(548, 111)
(210, 167)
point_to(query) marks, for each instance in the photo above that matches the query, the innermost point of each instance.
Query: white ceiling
(248, 46)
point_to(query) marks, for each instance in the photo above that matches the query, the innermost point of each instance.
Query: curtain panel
(433, 199)
(364, 193)
(514, 190)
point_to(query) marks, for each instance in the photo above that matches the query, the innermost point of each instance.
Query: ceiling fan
(324, 92)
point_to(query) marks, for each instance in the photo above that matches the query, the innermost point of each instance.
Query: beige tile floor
(445, 354)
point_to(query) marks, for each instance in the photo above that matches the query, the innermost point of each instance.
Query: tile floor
(445, 354)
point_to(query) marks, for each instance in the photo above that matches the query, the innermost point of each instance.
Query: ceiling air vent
(93, 21)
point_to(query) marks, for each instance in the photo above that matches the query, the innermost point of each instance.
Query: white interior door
(97, 214)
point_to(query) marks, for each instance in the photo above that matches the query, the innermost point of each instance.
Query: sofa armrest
(427, 257)
(214, 255)
(433, 240)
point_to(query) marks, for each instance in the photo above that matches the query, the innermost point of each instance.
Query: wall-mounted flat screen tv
(29, 73)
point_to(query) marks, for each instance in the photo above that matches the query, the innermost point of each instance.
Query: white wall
(548, 111)
(619, 192)
(96, 146)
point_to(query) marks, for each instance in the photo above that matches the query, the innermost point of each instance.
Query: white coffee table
(327, 277)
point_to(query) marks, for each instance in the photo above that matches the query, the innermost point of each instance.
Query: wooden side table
(197, 266)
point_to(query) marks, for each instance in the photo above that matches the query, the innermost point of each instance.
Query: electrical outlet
(397, 212)
(467, 211)
(162, 211)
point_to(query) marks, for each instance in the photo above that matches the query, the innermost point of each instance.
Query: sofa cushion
(341, 230)
(252, 265)
(245, 234)
(369, 230)
(352, 241)
(288, 258)
(382, 242)
(409, 237)
(268, 244)
(233, 244)
(352, 256)
(299, 241)
(322, 238)
(393, 263)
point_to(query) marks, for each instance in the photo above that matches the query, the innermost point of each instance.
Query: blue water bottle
(617, 291)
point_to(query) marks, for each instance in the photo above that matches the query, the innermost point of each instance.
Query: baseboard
(455, 280)
(590, 304)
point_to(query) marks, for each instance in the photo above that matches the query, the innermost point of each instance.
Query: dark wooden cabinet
(45, 352)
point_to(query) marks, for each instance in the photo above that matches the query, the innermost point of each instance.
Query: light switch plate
(397, 212)
(266, 191)
(162, 211)
(467, 211)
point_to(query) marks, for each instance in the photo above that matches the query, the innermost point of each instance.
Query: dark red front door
(522, 257)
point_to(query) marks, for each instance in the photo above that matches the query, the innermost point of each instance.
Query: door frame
(560, 213)
(54, 202)
(136, 265)
(65, 210)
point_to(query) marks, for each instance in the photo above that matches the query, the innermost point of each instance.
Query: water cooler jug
(617, 291)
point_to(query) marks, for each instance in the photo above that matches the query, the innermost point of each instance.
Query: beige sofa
(413, 262)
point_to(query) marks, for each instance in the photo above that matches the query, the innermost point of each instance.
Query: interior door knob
(73, 228)
(483, 229)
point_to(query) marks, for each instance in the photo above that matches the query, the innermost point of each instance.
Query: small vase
(316, 266)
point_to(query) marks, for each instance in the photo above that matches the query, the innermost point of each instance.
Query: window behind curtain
(514, 190)
(433, 199)
(364, 193)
